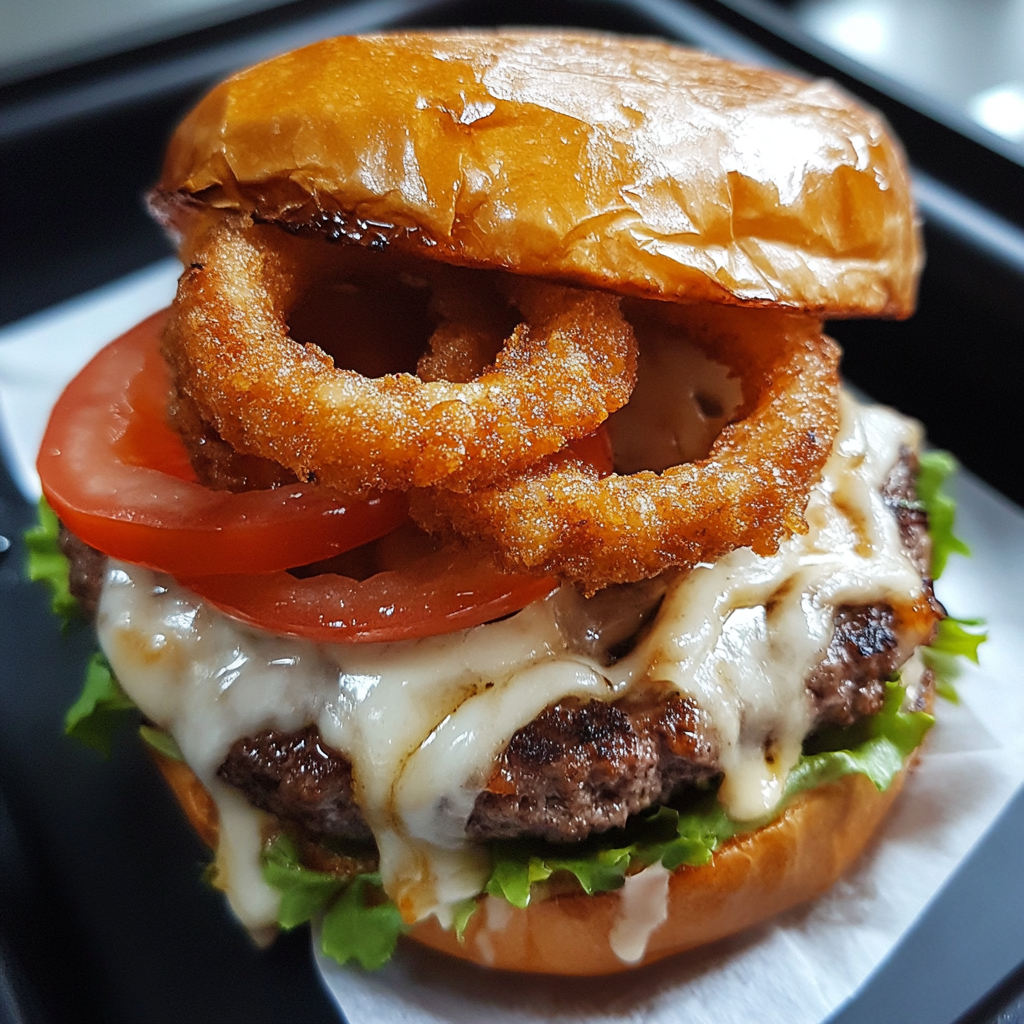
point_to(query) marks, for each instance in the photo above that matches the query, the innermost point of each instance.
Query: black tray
(102, 914)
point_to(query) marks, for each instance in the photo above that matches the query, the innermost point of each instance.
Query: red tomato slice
(443, 592)
(118, 476)
(438, 593)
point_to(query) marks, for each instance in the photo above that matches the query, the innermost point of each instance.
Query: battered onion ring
(751, 490)
(469, 336)
(558, 376)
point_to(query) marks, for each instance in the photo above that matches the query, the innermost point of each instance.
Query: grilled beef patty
(586, 766)
(295, 776)
(580, 766)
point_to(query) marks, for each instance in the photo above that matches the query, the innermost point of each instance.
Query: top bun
(613, 163)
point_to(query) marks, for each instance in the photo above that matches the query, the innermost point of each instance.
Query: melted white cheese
(742, 635)
(643, 905)
(680, 403)
(422, 721)
(497, 916)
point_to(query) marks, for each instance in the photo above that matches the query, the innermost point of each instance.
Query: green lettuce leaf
(162, 741)
(935, 469)
(101, 708)
(698, 833)
(515, 869)
(943, 655)
(953, 641)
(304, 893)
(47, 563)
(878, 747)
(957, 642)
(464, 910)
(363, 924)
(359, 922)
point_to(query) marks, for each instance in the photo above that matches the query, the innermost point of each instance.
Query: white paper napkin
(797, 969)
(40, 354)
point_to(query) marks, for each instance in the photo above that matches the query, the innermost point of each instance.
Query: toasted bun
(622, 164)
(750, 879)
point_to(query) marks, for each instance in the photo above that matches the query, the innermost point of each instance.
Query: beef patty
(581, 766)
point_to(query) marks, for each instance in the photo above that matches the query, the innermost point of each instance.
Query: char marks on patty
(298, 778)
(586, 766)
(849, 684)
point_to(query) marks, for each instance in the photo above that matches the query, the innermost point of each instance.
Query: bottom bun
(750, 879)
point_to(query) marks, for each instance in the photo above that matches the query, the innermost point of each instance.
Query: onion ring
(751, 491)
(469, 336)
(118, 477)
(559, 375)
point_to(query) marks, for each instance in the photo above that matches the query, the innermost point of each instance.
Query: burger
(484, 534)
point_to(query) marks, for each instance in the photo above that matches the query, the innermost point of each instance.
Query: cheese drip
(423, 721)
(741, 636)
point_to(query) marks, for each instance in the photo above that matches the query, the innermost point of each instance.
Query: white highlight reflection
(1001, 110)
(854, 28)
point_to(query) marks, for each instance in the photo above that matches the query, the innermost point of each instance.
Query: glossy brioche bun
(750, 879)
(615, 163)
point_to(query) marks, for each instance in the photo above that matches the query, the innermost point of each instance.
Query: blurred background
(44, 35)
(968, 54)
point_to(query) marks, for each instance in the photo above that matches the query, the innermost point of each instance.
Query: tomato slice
(438, 593)
(442, 592)
(118, 476)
